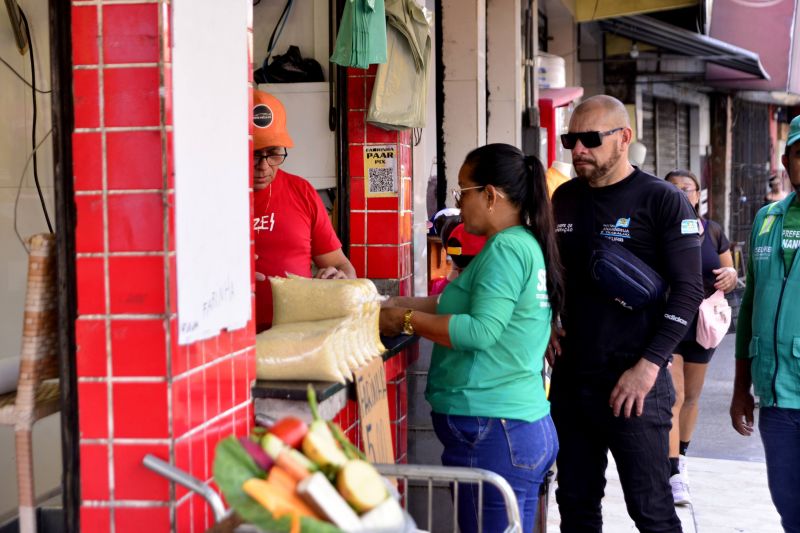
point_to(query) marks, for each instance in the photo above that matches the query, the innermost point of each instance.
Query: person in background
(290, 222)
(690, 360)
(610, 387)
(461, 247)
(776, 192)
(768, 341)
(491, 327)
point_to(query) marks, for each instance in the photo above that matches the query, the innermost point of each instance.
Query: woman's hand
(553, 350)
(726, 279)
(391, 321)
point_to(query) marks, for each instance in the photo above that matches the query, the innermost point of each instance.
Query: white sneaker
(683, 469)
(680, 490)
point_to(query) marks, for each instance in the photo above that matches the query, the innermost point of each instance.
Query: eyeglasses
(456, 192)
(688, 189)
(273, 160)
(589, 139)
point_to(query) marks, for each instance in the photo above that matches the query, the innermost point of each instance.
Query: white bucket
(550, 71)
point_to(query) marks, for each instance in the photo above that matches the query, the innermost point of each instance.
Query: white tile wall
(15, 146)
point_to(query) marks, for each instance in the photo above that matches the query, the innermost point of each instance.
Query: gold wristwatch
(408, 329)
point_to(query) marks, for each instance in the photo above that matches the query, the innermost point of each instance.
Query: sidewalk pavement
(727, 497)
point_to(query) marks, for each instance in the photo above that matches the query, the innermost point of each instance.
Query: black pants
(587, 430)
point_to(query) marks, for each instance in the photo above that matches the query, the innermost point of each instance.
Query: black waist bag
(624, 277)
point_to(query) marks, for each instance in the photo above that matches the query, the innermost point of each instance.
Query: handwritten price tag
(373, 409)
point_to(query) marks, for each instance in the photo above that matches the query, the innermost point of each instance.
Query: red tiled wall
(138, 391)
(380, 228)
(380, 242)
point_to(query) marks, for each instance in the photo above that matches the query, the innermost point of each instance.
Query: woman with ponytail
(491, 327)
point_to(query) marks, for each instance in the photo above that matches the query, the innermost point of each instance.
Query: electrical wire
(34, 146)
(22, 79)
(276, 33)
(19, 186)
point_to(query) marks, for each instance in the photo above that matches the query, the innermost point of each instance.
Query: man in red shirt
(290, 222)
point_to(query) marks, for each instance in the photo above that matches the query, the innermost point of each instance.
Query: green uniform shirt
(499, 329)
(791, 233)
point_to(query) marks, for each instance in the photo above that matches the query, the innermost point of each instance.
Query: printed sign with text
(380, 170)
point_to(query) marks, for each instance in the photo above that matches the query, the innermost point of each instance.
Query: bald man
(625, 237)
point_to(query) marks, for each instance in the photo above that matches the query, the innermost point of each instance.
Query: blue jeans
(521, 452)
(780, 433)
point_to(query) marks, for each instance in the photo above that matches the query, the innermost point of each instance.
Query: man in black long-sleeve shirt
(610, 387)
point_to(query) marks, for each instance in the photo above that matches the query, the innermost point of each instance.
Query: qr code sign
(381, 180)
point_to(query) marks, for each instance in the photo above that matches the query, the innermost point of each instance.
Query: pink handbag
(713, 320)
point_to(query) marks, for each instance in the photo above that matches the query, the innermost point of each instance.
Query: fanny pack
(624, 277)
(713, 320)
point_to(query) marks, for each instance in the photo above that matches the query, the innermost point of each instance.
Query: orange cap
(269, 122)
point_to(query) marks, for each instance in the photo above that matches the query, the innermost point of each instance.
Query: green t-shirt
(791, 233)
(499, 329)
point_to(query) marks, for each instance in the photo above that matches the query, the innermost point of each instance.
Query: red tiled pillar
(380, 232)
(139, 392)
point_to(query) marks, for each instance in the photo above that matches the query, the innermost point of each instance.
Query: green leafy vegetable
(232, 467)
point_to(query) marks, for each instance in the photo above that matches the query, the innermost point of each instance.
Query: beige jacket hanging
(399, 96)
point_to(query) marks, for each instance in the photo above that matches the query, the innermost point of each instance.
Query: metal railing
(455, 476)
(190, 482)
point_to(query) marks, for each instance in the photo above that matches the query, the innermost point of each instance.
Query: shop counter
(277, 399)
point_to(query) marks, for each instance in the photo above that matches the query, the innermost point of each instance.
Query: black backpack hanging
(290, 67)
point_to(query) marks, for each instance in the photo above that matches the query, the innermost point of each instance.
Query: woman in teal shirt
(491, 327)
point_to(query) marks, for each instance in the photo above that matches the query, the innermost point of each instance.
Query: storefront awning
(590, 10)
(648, 30)
(768, 28)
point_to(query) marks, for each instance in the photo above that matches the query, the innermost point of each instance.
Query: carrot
(292, 467)
(277, 500)
(282, 478)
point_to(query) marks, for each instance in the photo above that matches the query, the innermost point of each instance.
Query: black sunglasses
(589, 139)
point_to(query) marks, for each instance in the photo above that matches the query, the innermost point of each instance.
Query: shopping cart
(431, 476)
(454, 477)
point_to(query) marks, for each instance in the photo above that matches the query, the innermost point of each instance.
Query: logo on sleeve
(676, 318)
(690, 226)
(623, 223)
(769, 220)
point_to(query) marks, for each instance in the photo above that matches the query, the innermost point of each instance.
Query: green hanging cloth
(362, 34)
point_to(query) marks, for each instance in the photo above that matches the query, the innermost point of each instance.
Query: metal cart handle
(459, 475)
(190, 482)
